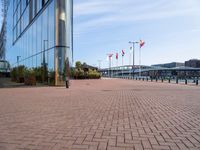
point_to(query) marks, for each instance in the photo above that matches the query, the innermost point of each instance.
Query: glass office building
(39, 35)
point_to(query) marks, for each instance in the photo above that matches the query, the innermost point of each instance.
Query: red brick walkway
(101, 114)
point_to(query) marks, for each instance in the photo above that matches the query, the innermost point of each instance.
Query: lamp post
(133, 47)
(18, 60)
(44, 61)
(99, 64)
(110, 64)
(18, 65)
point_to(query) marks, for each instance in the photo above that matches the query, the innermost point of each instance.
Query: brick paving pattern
(101, 115)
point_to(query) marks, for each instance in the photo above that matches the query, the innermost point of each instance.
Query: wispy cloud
(94, 14)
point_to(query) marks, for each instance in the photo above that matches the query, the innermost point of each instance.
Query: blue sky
(171, 30)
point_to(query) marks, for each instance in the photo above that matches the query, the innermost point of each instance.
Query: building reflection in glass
(40, 33)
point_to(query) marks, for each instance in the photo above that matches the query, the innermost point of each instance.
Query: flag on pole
(117, 56)
(141, 43)
(110, 56)
(123, 53)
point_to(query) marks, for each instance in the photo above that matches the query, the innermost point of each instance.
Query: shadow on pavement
(7, 83)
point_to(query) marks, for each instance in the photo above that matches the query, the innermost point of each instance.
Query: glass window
(51, 25)
(23, 5)
(39, 5)
(26, 18)
(30, 11)
(14, 19)
(14, 5)
(39, 40)
(51, 59)
(18, 12)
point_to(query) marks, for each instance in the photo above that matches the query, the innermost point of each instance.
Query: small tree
(78, 65)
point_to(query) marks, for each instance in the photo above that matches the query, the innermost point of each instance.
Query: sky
(170, 29)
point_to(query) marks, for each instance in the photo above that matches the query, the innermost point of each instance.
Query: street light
(99, 64)
(18, 57)
(44, 61)
(133, 43)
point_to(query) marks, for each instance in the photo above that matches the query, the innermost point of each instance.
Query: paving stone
(101, 115)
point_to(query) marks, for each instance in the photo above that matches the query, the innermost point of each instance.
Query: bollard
(147, 79)
(156, 79)
(151, 79)
(197, 82)
(143, 79)
(186, 81)
(162, 79)
(67, 84)
(169, 80)
(176, 80)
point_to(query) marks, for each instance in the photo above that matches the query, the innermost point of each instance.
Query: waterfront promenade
(113, 114)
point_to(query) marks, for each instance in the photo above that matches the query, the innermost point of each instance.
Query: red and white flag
(110, 56)
(123, 53)
(141, 43)
(117, 56)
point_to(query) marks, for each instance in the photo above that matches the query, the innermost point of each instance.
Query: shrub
(93, 74)
(20, 73)
(41, 74)
(29, 77)
(38, 74)
(79, 74)
(51, 77)
(72, 72)
(13, 74)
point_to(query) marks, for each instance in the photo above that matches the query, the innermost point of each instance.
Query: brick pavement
(101, 114)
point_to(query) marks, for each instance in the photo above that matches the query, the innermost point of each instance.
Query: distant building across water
(188, 69)
(194, 63)
(170, 65)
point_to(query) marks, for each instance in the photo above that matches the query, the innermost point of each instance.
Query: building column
(63, 40)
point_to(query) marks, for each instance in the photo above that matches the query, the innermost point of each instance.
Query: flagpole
(122, 65)
(133, 44)
(117, 59)
(140, 62)
(110, 66)
(130, 62)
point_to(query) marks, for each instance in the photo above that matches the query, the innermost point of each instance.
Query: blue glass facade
(40, 35)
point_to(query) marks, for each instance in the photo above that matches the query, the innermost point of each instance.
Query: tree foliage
(79, 72)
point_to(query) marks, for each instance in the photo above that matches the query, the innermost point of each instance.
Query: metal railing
(172, 80)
